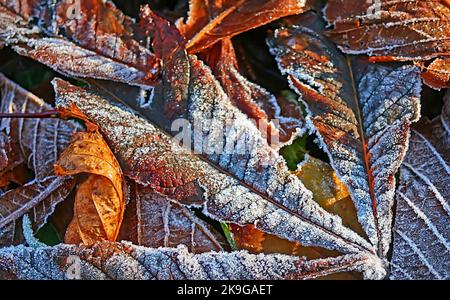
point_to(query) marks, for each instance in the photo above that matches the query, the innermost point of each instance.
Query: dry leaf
(421, 235)
(72, 42)
(154, 220)
(207, 23)
(99, 202)
(361, 115)
(103, 260)
(35, 143)
(285, 209)
(394, 30)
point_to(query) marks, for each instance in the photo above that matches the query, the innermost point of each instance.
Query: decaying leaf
(37, 199)
(421, 235)
(208, 22)
(154, 220)
(125, 261)
(33, 144)
(99, 202)
(254, 101)
(268, 196)
(437, 73)
(361, 115)
(70, 40)
(394, 30)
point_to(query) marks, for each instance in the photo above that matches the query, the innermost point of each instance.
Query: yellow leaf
(99, 201)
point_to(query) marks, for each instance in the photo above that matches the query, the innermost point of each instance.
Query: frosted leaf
(414, 30)
(38, 199)
(78, 46)
(363, 126)
(153, 220)
(421, 233)
(269, 195)
(208, 23)
(405, 30)
(126, 261)
(37, 143)
(277, 119)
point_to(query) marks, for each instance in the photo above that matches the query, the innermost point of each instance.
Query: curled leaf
(208, 22)
(99, 202)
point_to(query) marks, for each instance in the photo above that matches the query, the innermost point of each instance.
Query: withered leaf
(208, 22)
(253, 100)
(437, 73)
(421, 237)
(154, 220)
(361, 115)
(35, 143)
(70, 39)
(99, 202)
(38, 199)
(245, 192)
(125, 261)
(394, 30)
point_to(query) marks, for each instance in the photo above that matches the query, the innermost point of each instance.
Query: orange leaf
(99, 202)
(209, 22)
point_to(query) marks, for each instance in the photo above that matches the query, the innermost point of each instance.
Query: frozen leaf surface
(244, 192)
(395, 30)
(154, 220)
(125, 261)
(208, 22)
(421, 235)
(70, 39)
(272, 119)
(36, 143)
(361, 115)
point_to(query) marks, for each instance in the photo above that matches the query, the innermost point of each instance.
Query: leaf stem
(41, 115)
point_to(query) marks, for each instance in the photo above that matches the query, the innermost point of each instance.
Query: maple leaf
(361, 115)
(421, 237)
(37, 144)
(394, 30)
(285, 209)
(154, 220)
(99, 202)
(103, 260)
(207, 22)
(70, 40)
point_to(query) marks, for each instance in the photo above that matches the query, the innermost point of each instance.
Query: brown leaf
(29, 145)
(103, 260)
(437, 73)
(361, 114)
(421, 236)
(395, 30)
(99, 202)
(70, 40)
(208, 22)
(253, 100)
(245, 192)
(153, 220)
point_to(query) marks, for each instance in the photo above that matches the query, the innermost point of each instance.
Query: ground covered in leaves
(249, 139)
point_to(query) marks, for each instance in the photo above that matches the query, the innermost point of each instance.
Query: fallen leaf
(208, 23)
(99, 202)
(154, 220)
(421, 236)
(437, 73)
(361, 114)
(102, 261)
(394, 31)
(285, 209)
(29, 144)
(70, 40)
(278, 124)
